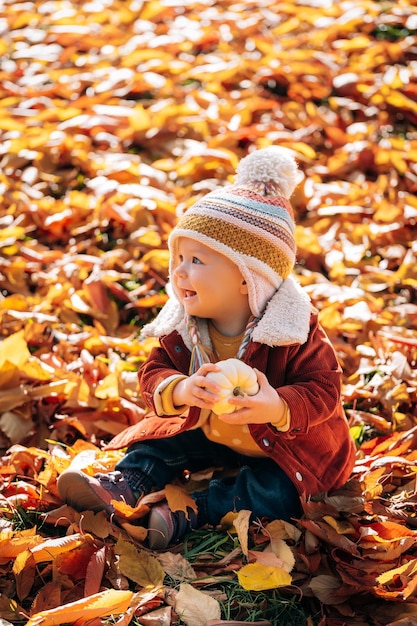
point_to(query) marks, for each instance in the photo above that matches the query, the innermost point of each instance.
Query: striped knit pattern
(248, 225)
(240, 240)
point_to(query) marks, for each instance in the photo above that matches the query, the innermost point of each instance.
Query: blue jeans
(256, 484)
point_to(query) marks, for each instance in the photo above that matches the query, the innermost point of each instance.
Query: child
(232, 295)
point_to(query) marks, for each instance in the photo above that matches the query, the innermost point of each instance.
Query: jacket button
(177, 348)
(266, 443)
(299, 476)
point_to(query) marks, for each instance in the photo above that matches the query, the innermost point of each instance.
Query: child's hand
(197, 389)
(264, 407)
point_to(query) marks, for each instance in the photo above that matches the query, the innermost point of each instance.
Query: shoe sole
(76, 491)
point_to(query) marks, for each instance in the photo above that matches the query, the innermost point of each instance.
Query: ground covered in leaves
(115, 116)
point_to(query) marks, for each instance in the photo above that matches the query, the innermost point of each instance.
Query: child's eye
(196, 260)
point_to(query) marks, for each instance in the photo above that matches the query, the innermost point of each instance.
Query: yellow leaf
(149, 237)
(139, 566)
(228, 522)
(342, 527)
(304, 149)
(151, 10)
(157, 260)
(9, 123)
(14, 349)
(108, 387)
(154, 300)
(330, 317)
(400, 101)
(11, 233)
(179, 500)
(283, 551)
(307, 240)
(99, 605)
(408, 569)
(373, 483)
(140, 118)
(138, 533)
(280, 529)
(37, 370)
(256, 577)
(10, 376)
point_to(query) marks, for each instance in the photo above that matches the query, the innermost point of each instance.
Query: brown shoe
(94, 493)
(166, 527)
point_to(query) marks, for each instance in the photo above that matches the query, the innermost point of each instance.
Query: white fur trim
(287, 317)
(170, 317)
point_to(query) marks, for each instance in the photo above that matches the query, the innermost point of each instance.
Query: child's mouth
(188, 294)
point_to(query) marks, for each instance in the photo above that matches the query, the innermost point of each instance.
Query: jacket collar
(285, 321)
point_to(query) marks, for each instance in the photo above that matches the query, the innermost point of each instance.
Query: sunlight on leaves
(258, 577)
(113, 123)
(99, 605)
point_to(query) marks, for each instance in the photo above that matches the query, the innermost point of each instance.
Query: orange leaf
(387, 531)
(99, 605)
(51, 548)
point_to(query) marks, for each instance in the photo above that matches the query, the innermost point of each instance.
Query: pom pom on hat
(251, 222)
(272, 165)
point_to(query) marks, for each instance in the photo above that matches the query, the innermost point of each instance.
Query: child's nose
(180, 270)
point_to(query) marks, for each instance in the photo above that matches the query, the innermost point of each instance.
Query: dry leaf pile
(116, 115)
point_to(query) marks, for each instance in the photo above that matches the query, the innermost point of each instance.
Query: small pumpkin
(235, 378)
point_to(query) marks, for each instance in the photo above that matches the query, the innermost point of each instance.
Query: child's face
(210, 286)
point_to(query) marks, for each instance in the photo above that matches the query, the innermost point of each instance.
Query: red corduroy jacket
(317, 452)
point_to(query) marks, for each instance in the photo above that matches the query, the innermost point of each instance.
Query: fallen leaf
(139, 565)
(258, 577)
(195, 607)
(99, 605)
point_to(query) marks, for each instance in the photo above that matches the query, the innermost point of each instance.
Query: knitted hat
(251, 222)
